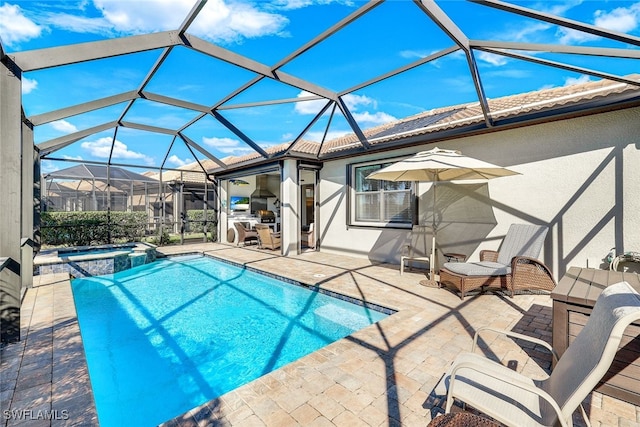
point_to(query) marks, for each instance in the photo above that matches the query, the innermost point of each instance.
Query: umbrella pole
(432, 261)
(432, 281)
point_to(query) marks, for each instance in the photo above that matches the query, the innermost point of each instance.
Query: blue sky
(390, 36)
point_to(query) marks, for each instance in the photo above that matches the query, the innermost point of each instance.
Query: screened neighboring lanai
(98, 188)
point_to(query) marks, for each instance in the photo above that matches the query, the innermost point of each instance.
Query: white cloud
(175, 160)
(525, 32)
(218, 20)
(143, 16)
(414, 54)
(353, 102)
(79, 24)
(377, 118)
(492, 58)
(569, 36)
(622, 19)
(72, 157)
(308, 107)
(15, 27)
(317, 136)
(64, 126)
(102, 147)
(28, 85)
(557, 7)
(227, 145)
(570, 81)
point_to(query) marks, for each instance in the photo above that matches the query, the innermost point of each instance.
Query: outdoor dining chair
(516, 400)
(245, 235)
(268, 239)
(514, 267)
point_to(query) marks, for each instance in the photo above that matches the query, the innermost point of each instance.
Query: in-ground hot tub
(85, 261)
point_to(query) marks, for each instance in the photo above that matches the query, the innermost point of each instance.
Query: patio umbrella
(438, 165)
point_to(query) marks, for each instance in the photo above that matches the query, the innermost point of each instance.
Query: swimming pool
(165, 337)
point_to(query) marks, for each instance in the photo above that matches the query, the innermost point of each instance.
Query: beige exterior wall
(580, 177)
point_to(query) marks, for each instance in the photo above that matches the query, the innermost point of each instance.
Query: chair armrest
(488, 255)
(510, 380)
(514, 335)
(528, 273)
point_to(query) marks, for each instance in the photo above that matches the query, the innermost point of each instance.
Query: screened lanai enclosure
(187, 86)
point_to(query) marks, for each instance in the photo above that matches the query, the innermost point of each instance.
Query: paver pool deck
(382, 375)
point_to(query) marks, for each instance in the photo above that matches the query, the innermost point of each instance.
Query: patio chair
(514, 267)
(419, 247)
(268, 239)
(307, 237)
(245, 235)
(516, 400)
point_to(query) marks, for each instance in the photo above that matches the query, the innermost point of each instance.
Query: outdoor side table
(454, 257)
(573, 301)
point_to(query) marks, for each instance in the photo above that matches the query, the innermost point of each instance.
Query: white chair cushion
(482, 268)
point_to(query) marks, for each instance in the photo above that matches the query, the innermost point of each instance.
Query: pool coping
(312, 287)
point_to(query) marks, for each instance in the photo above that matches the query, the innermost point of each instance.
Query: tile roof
(508, 107)
(513, 107)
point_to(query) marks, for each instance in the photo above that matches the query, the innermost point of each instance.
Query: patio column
(10, 208)
(30, 203)
(289, 215)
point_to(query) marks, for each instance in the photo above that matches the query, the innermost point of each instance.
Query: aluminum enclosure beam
(557, 48)
(240, 134)
(562, 66)
(148, 128)
(272, 102)
(174, 102)
(202, 150)
(327, 33)
(445, 23)
(553, 19)
(210, 49)
(74, 110)
(40, 59)
(352, 122)
(56, 144)
(399, 70)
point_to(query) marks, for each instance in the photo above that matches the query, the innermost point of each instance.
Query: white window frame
(353, 193)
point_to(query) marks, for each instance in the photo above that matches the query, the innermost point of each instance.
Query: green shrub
(91, 228)
(196, 221)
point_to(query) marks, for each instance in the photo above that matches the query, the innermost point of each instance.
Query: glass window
(379, 203)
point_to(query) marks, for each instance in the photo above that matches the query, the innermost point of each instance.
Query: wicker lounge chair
(515, 267)
(245, 235)
(516, 400)
(268, 239)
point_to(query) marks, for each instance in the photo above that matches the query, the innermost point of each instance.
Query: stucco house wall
(580, 177)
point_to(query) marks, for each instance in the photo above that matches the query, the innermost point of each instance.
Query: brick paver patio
(382, 375)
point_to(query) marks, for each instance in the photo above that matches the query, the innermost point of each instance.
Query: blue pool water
(165, 337)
